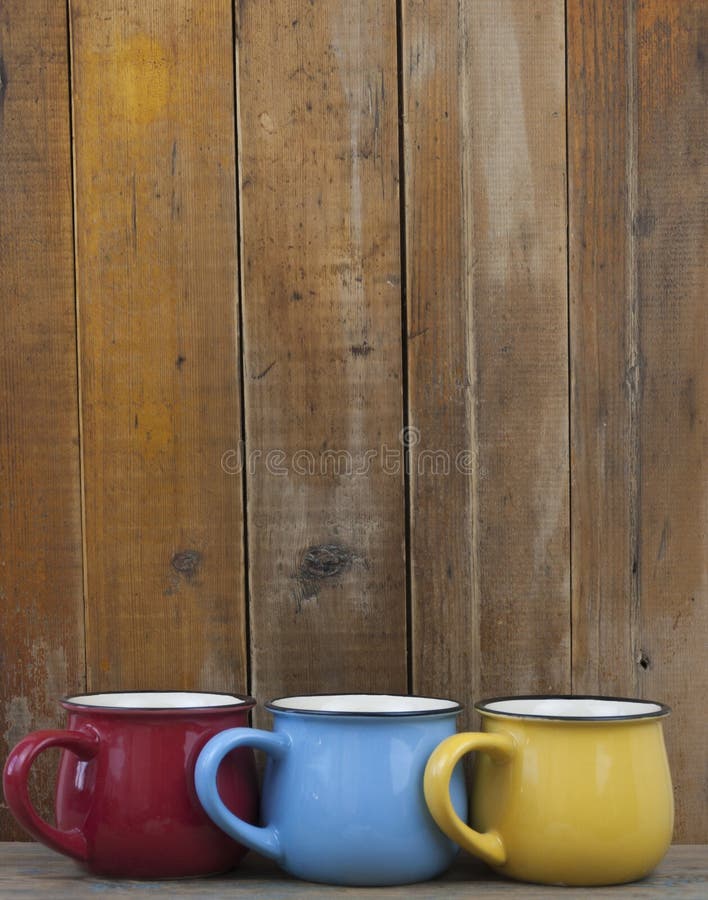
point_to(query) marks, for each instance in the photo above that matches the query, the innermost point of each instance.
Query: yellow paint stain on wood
(144, 71)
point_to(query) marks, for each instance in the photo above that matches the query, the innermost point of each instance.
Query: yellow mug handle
(487, 845)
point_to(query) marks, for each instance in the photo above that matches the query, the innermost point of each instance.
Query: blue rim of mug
(363, 714)
(244, 702)
(482, 707)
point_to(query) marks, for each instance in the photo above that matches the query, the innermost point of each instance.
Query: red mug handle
(83, 744)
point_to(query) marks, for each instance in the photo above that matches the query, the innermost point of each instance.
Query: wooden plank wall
(484, 128)
(322, 344)
(41, 593)
(638, 289)
(375, 359)
(156, 271)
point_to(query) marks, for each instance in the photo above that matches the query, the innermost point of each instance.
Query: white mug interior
(364, 704)
(155, 700)
(585, 708)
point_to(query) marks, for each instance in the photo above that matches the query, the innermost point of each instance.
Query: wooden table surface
(32, 871)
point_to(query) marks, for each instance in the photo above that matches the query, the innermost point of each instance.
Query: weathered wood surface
(322, 344)
(273, 138)
(32, 871)
(670, 225)
(639, 328)
(41, 591)
(603, 347)
(484, 136)
(157, 300)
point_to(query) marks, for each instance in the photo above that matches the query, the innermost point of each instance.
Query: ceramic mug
(125, 799)
(567, 790)
(342, 797)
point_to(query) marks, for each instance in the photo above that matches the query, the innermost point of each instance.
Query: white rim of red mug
(231, 702)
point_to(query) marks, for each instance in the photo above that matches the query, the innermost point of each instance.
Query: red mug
(126, 805)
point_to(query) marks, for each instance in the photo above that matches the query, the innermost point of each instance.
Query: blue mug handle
(265, 840)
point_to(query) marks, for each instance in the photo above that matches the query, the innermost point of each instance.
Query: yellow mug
(566, 790)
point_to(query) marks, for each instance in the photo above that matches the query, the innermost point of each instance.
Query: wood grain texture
(485, 223)
(670, 226)
(41, 596)
(322, 345)
(157, 278)
(604, 348)
(637, 125)
(34, 872)
(507, 594)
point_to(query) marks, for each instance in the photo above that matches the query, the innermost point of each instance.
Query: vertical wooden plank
(444, 546)
(670, 229)
(487, 312)
(41, 597)
(637, 120)
(604, 347)
(322, 332)
(157, 276)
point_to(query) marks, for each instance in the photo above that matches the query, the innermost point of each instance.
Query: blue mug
(342, 797)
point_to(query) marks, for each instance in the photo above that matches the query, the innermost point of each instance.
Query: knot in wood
(324, 561)
(186, 562)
